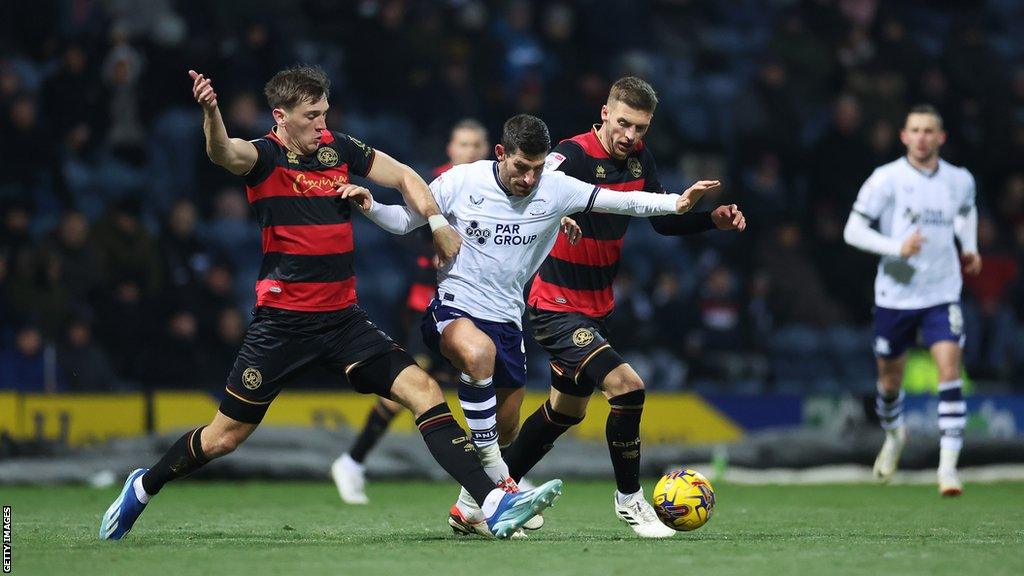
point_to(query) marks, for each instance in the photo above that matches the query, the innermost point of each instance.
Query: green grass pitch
(302, 528)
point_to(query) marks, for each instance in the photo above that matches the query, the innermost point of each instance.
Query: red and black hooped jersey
(579, 278)
(307, 228)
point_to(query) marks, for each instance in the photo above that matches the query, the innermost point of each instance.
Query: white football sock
(140, 492)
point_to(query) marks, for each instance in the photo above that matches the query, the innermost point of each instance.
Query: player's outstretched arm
(394, 219)
(726, 217)
(647, 204)
(859, 234)
(389, 172)
(234, 154)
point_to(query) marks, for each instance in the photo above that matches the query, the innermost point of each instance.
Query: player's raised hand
(357, 195)
(202, 91)
(729, 217)
(447, 243)
(571, 229)
(971, 263)
(912, 245)
(693, 194)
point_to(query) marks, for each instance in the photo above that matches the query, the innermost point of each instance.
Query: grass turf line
(288, 528)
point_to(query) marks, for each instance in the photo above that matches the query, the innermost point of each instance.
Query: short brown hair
(298, 84)
(635, 93)
(926, 109)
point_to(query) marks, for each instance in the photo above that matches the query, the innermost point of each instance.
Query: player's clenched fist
(202, 91)
(693, 195)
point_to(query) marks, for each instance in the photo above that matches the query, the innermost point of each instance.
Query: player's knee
(417, 391)
(570, 406)
(223, 443)
(478, 357)
(618, 383)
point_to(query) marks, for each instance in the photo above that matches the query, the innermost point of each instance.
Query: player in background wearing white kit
(922, 204)
(509, 217)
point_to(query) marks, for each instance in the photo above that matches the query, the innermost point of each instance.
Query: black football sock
(374, 429)
(536, 438)
(183, 458)
(451, 447)
(623, 434)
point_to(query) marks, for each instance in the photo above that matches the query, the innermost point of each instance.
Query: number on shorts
(956, 319)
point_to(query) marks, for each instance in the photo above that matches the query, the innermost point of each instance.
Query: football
(684, 500)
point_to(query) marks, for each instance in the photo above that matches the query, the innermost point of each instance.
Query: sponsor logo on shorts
(582, 337)
(251, 378)
(327, 156)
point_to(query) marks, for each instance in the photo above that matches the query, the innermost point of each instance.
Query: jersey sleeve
(574, 195)
(355, 153)
(566, 157)
(874, 196)
(445, 188)
(264, 164)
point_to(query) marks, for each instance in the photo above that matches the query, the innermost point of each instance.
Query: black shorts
(581, 356)
(281, 344)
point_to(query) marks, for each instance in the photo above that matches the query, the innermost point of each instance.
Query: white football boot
(889, 456)
(350, 478)
(640, 515)
(949, 480)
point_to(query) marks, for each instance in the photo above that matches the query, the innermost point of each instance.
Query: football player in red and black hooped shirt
(467, 143)
(306, 301)
(571, 296)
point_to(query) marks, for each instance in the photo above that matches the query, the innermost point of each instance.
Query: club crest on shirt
(635, 167)
(582, 337)
(327, 156)
(251, 378)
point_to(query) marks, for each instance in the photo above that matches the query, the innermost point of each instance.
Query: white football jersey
(903, 199)
(505, 237)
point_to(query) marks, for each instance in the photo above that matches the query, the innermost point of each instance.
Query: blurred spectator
(797, 295)
(126, 134)
(23, 366)
(122, 326)
(126, 249)
(79, 267)
(82, 363)
(184, 258)
(176, 358)
(222, 348)
(992, 329)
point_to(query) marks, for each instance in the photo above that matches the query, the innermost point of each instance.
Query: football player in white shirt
(921, 203)
(509, 216)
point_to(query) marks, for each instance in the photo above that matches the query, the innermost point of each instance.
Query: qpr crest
(327, 156)
(582, 337)
(635, 168)
(251, 378)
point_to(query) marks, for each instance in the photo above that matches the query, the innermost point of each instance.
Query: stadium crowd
(127, 260)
